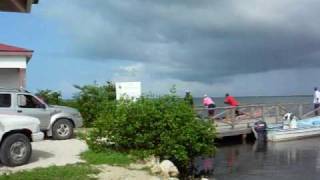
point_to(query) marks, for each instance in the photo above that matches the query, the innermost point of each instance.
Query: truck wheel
(15, 150)
(62, 129)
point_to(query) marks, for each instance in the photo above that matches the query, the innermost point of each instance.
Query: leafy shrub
(89, 101)
(165, 126)
(50, 96)
(70, 103)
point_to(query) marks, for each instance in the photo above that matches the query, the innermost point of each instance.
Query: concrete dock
(228, 124)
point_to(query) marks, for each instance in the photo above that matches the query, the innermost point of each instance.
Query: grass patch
(68, 172)
(82, 133)
(108, 157)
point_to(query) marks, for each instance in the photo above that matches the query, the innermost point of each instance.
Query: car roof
(16, 90)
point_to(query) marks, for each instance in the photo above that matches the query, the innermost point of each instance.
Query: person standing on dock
(316, 101)
(188, 98)
(232, 102)
(210, 104)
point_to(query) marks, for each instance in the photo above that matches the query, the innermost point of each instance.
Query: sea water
(289, 160)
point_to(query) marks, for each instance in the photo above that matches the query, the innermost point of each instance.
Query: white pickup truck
(16, 133)
(56, 121)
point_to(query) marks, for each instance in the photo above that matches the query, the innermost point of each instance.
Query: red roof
(14, 51)
(8, 48)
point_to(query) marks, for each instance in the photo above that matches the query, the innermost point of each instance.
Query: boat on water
(286, 131)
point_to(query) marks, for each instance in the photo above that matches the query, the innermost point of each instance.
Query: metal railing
(271, 113)
(21, 89)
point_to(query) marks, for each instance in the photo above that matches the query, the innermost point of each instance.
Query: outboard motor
(260, 130)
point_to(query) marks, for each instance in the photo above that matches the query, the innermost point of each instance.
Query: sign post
(128, 90)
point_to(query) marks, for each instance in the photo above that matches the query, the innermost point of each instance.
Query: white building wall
(12, 71)
(13, 62)
(9, 78)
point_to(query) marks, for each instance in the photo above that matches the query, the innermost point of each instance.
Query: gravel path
(51, 152)
(121, 173)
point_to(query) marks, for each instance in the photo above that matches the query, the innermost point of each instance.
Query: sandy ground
(52, 152)
(120, 173)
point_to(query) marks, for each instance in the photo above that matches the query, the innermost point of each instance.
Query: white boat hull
(305, 128)
(293, 134)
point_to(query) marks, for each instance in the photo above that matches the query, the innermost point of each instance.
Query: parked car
(56, 121)
(16, 133)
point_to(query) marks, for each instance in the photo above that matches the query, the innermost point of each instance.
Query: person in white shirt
(316, 100)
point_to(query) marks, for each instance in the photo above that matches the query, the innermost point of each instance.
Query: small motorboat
(290, 129)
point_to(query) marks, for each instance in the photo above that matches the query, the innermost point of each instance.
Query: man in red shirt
(232, 102)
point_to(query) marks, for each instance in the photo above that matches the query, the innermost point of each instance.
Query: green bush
(164, 126)
(50, 96)
(89, 100)
(70, 103)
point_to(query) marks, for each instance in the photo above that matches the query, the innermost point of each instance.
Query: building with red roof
(22, 6)
(13, 65)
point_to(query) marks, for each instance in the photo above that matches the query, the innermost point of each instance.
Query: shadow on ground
(36, 156)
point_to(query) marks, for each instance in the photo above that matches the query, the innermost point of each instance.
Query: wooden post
(252, 112)
(243, 138)
(300, 110)
(277, 113)
(262, 113)
(22, 77)
(233, 117)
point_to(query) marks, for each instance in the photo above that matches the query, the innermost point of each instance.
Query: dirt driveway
(52, 152)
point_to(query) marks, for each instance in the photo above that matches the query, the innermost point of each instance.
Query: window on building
(5, 100)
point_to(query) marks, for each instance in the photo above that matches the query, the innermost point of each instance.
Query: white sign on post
(128, 90)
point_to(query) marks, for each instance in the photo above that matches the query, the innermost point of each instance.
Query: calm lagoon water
(291, 160)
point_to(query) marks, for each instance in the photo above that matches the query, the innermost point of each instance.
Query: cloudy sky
(246, 48)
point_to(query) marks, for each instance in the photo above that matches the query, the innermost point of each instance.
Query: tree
(90, 97)
(50, 96)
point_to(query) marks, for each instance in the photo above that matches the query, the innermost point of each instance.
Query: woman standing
(209, 103)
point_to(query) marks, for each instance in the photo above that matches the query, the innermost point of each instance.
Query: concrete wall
(9, 78)
(12, 71)
(13, 62)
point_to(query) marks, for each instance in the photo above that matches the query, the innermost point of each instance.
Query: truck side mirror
(42, 106)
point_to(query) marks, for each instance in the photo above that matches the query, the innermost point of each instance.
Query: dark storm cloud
(196, 40)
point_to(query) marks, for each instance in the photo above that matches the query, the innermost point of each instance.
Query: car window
(5, 100)
(28, 101)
